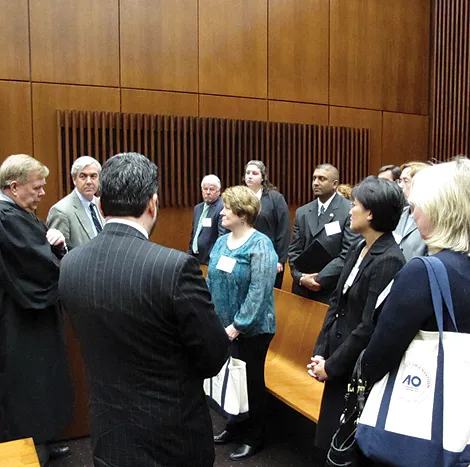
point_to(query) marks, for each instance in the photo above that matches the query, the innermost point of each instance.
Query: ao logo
(415, 383)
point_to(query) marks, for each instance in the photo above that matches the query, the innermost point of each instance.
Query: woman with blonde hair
(241, 274)
(440, 202)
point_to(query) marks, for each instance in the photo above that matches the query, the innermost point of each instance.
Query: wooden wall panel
(298, 50)
(158, 102)
(291, 112)
(405, 138)
(173, 228)
(379, 54)
(15, 117)
(47, 98)
(371, 119)
(233, 107)
(233, 47)
(75, 41)
(14, 40)
(159, 44)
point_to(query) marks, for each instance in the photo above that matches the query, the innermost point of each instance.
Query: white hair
(82, 162)
(212, 180)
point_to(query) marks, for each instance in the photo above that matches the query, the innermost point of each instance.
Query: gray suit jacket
(69, 216)
(410, 242)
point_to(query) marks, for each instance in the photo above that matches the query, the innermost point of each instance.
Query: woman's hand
(280, 267)
(316, 369)
(232, 333)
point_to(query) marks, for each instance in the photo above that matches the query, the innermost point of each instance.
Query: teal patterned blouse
(245, 297)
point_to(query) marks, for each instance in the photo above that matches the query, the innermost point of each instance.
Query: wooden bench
(18, 453)
(299, 322)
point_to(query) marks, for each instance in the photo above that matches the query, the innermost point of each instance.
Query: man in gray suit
(407, 234)
(76, 215)
(321, 238)
(147, 328)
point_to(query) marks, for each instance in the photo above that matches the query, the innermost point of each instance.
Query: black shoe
(244, 451)
(224, 437)
(59, 451)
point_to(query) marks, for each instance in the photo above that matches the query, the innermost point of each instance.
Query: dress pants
(252, 350)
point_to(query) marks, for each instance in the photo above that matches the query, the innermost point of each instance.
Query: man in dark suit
(322, 231)
(77, 215)
(207, 223)
(148, 332)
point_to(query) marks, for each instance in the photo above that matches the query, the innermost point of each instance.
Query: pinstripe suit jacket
(149, 336)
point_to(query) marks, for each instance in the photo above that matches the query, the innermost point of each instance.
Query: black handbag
(343, 451)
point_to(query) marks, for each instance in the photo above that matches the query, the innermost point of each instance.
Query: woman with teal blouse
(241, 275)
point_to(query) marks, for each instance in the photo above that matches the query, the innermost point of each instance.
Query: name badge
(226, 264)
(207, 222)
(332, 228)
(381, 298)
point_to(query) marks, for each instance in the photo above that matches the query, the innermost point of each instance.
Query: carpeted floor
(289, 443)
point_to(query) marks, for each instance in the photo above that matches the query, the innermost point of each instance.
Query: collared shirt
(86, 206)
(4, 197)
(259, 193)
(135, 225)
(325, 204)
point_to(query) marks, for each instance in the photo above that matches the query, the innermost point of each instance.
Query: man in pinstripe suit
(148, 332)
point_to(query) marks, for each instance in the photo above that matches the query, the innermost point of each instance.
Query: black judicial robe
(35, 390)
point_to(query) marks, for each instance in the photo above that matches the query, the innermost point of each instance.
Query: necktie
(322, 210)
(199, 228)
(95, 219)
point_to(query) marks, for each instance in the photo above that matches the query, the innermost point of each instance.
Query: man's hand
(309, 281)
(55, 237)
(316, 369)
(232, 333)
(280, 267)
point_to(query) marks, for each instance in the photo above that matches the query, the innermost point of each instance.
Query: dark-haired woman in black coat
(369, 268)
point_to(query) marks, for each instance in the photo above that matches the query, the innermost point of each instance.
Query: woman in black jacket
(273, 218)
(369, 267)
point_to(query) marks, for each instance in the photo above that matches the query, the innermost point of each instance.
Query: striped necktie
(199, 228)
(95, 219)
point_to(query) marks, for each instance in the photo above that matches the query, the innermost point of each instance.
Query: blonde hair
(242, 202)
(442, 193)
(16, 168)
(414, 166)
(344, 190)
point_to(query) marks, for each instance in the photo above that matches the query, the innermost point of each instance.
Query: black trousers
(252, 350)
(279, 278)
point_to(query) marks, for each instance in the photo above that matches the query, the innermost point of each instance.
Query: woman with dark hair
(369, 268)
(273, 218)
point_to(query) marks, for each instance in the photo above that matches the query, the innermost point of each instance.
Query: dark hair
(384, 199)
(267, 185)
(127, 183)
(396, 171)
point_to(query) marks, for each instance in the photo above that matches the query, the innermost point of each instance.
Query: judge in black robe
(35, 389)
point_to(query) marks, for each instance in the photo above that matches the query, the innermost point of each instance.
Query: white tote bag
(228, 389)
(419, 414)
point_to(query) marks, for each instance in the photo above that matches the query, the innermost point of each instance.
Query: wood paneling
(450, 125)
(233, 107)
(233, 47)
(405, 138)
(298, 113)
(379, 54)
(371, 119)
(173, 228)
(15, 119)
(158, 102)
(14, 39)
(298, 50)
(159, 44)
(47, 98)
(75, 41)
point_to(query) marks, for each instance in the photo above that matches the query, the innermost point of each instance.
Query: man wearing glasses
(406, 234)
(207, 223)
(77, 215)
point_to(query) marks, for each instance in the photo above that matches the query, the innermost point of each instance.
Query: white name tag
(207, 222)
(332, 228)
(381, 298)
(226, 264)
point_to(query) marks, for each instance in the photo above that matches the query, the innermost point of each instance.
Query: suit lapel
(328, 216)
(82, 217)
(312, 218)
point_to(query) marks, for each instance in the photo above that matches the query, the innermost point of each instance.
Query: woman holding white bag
(440, 202)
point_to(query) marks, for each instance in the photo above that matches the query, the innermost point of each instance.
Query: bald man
(321, 239)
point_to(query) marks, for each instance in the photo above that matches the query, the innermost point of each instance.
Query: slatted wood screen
(187, 148)
(450, 127)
